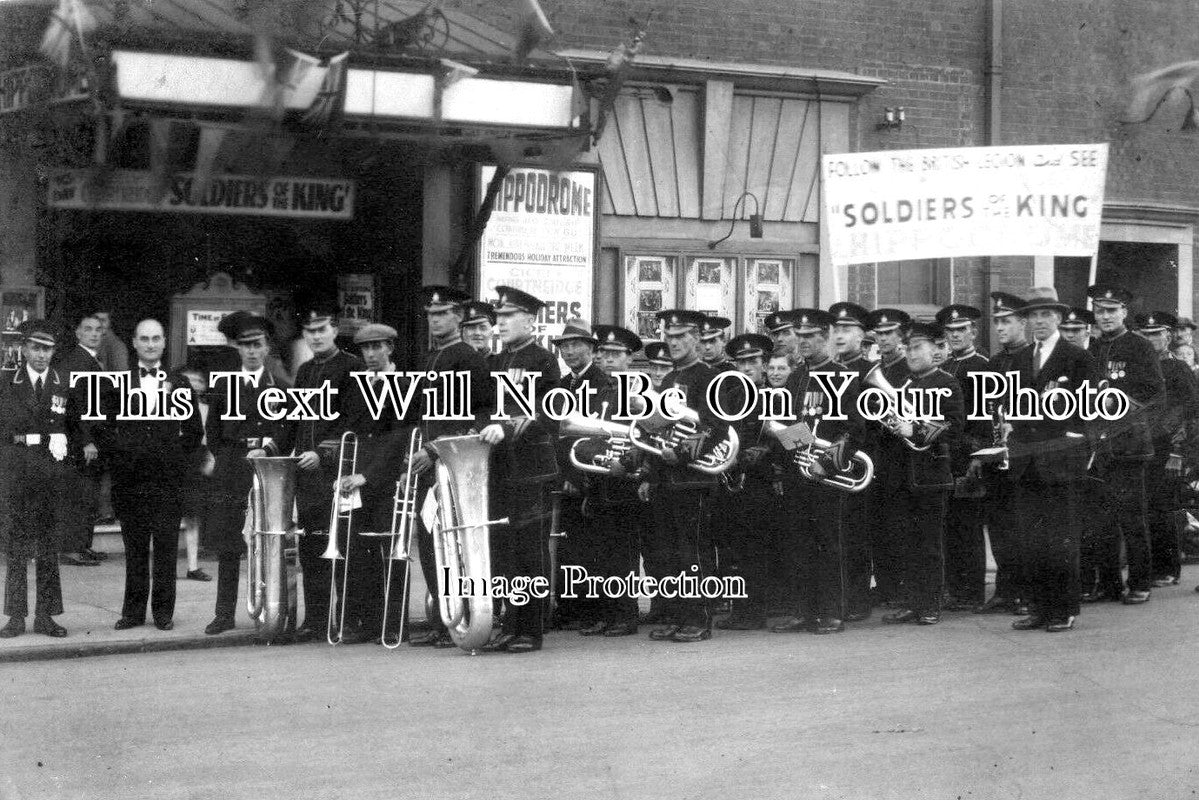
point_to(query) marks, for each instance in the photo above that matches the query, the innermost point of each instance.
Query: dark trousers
(920, 527)
(814, 550)
(614, 535)
(366, 559)
(965, 550)
(233, 477)
(1100, 546)
(1126, 497)
(228, 569)
(855, 536)
(573, 550)
(885, 550)
(49, 587)
(1164, 497)
(1004, 532)
(683, 545)
(148, 517)
(1048, 515)
(31, 489)
(314, 500)
(428, 557)
(77, 513)
(521, 549)
(748, 520)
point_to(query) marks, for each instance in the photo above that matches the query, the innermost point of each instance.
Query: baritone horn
(877, 380)
(809, 448)
(403, 523)
(341, 517)
(616, 435)
(271, 551)
(671, 433)
(462, 538)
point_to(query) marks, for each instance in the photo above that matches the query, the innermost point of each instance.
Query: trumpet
(341, 517)
(403, 523)
(810, 448)
(677, 432)
(879, 381)
(592, 428)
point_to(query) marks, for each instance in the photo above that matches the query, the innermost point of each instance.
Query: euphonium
(616, 435)
(879, 381)
(462, 540)
(854, 479)
(675, 432)
(271, 555)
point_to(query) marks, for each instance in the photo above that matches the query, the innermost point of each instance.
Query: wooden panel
(793, 120)
(684, 114)
(804, 193)
(718, 119)
(738, 153)
(616, 173)
(660, 144)
(636, 154)
(762, 146)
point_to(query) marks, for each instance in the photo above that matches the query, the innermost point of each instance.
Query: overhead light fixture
(892, 119)
(755, 220)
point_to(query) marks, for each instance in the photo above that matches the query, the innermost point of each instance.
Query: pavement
(966, 709)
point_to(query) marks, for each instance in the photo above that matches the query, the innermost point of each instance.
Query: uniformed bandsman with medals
(33, 443)
(1128, 363)
(713, 332)
(478, 325)
(915, 491)
(523, 469)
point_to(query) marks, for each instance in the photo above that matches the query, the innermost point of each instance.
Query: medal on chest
(58, 404)
(1115, 370)
(813, 404)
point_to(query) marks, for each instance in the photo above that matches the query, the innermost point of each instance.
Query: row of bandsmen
(913, 540)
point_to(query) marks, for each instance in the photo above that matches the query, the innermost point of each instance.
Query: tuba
(272, 553)
(461, 539)
(590, 428)
(673, 433)
(876, 379)
(809, 448)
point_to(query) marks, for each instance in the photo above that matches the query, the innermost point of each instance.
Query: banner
(130, 190)
(541, 239)
(356, 298)
(1013, 201)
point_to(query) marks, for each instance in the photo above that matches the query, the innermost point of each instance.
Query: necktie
(37, 389)
(148, 373)
(1036, 358)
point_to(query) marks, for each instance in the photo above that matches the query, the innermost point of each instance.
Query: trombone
(403, 523)
(341, 516)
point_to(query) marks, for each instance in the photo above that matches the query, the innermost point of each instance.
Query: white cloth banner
(967, 201)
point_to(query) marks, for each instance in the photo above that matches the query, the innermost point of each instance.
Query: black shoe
(658, 618)
(48, 627)
(425, 639)
(828, 625)
(1135, 597)
(664, 633)
(198, 575)
(354, 636)
(165, 625)
(692, 633)
(1021, 609)
(996, 605)
(125, 623)
(795, 625)
(1030, 623)
(15, 627)
(1100, 595)
(960, 605)
(444, 641)
(620, 629)
(306, 633)
(93, 554)
(928, 618)
(500, 643)
(1168, 580)
(735, 624)
(594, 629)
(524, 644)
(73, 560)
(1059, 625)
(859, 616)
(220, 625)
(900, 617)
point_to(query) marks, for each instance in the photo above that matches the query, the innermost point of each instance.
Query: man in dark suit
(1048, 462)
(149, 459)
(84, 467)
(233, 442)
(33, 443)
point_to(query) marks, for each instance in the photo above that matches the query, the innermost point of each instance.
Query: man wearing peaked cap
(1128, 363)
(712, 333)
(749, 345)
(615, 339)
(890, 327)
(314, 442)
(659, 365)
(33, 444)
(511, 299)
(1076, 327)
(478, 321)
(779, 326)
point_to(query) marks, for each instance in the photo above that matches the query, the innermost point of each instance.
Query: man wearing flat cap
(233, 442)
(444, 311)
(1128, 363)
(523, 468)
(315, 443)
(34, 401)
(1173, 444)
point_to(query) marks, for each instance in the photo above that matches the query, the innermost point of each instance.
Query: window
(768, 288)
(913, 283)
(649, 288)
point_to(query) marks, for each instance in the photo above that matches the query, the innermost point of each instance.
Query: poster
(356, 299)
(17, 306)
(541, 239)
(202, 328)
(1013, 201)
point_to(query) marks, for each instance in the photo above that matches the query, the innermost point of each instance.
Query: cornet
(853, 479)
(879, 381)
(676, 432)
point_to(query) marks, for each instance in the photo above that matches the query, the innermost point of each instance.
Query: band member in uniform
(965, 546)
(999, 510)
(658, 363)
(84, 468)
(614, 516)
(33, 444)
(234, 442)
(782, 333)
(890, 329)
(149, 462)
(382, 444)
(523, 467)
(478, 323)
(1128, 362)
(315, 442)
(679, 496)
(1052, 461)
(444, 313)
(1173, 440)
(576, 347)
(916, 489)
(712, 332)
(1076, 328)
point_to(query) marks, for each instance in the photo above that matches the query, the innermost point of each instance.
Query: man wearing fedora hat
(34, 401)
(1128, 363)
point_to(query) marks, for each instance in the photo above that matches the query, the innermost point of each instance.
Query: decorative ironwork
(426, 32)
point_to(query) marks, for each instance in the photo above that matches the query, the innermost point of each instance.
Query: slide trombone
(403, 522)
(341, 516)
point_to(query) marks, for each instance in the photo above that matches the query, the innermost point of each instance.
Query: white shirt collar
(92, 352)
(1047, 346)
(33, 376)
